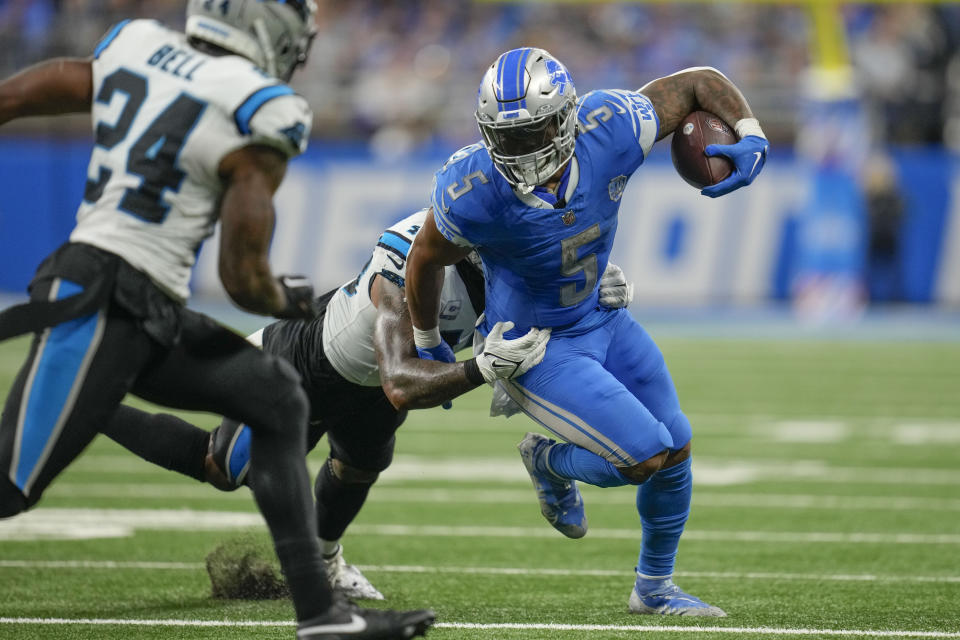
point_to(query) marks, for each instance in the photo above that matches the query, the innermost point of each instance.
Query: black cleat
(346, 623)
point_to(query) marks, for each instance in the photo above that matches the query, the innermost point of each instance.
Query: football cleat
(347, 580)
(560, 500)
(667, 599)
(345, 623)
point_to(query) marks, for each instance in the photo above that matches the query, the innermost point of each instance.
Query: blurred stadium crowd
(403, 73)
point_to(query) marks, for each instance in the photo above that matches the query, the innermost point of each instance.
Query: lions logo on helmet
(273, 34)
(526, 111)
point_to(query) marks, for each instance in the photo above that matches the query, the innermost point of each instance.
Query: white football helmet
(274, 34)
(526, 110)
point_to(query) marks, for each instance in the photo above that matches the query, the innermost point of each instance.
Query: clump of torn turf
(246, 568)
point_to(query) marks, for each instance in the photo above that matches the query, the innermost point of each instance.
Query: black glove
(300, 304)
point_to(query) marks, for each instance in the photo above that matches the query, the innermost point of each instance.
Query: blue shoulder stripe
(110, 37)
(395, 241)
(252, 104)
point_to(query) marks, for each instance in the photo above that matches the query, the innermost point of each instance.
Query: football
(699, 129)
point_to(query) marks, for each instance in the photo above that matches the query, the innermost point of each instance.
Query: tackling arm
(414, 383)
(62, 85)
(408, 381)
(251, 175)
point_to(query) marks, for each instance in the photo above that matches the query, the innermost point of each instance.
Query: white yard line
(713, 575)
(633, 534)
(110, 565)
(98, 564)
(707, 470)
(58, 524)
(886, 633)
(387, 494)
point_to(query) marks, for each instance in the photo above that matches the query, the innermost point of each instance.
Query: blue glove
(748, 157)
(441, 353)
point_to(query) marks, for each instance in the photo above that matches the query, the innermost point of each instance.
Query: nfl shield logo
(569, 218)
(616, 187)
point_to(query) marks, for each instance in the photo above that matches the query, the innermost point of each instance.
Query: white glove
(505, 359)
(615, 291)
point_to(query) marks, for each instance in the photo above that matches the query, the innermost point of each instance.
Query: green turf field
(827, 503)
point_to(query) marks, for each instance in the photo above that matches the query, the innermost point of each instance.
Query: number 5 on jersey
(570, 266)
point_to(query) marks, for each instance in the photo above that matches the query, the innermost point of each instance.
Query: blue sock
(576, 463)
(664, 504)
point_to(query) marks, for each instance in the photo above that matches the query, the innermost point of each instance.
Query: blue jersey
(542, 263)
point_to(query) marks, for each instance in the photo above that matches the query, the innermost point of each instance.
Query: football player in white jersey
(189, 128)
(361, 372)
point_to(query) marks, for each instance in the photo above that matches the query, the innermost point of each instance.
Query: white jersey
(165, 115)
(351, 315)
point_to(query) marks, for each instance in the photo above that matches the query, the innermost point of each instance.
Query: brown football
(699, 129)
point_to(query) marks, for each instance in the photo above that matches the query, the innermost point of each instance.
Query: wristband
(426, 339)
(749, 127)
(472, 370)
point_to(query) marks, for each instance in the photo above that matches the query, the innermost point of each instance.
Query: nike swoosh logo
(759, 155)
(356, 624)
(398, 263)
(504, 364)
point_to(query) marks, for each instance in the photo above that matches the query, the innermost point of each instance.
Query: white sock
(329, 547)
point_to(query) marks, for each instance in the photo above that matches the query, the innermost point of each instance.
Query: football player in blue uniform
(539, 201)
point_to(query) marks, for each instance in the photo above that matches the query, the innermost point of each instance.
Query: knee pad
(12, 500)
(348, 474)
(229, 457)
(680, 431)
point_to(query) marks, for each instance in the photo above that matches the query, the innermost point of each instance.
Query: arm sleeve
(390, 255)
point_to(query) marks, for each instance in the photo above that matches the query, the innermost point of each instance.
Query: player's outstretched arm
(430, 253)
(676, 96)
(61, 85)
(410, 382)
(251, 176)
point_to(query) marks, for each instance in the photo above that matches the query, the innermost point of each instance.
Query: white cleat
(347, 580)
(670, 600)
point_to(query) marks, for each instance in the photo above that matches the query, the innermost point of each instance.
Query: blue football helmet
(526, 110)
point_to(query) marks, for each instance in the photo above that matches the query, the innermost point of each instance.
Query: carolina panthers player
(189, 128)
(361, 373)
(539, 200)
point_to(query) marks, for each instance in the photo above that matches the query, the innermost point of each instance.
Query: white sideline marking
(706, 470)
(503, 625)
(634, 534)
(926, 434)
(806, 431)
(59, 524)
(592, 496)
(498, 571)
(75, 524)
(98, 564)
